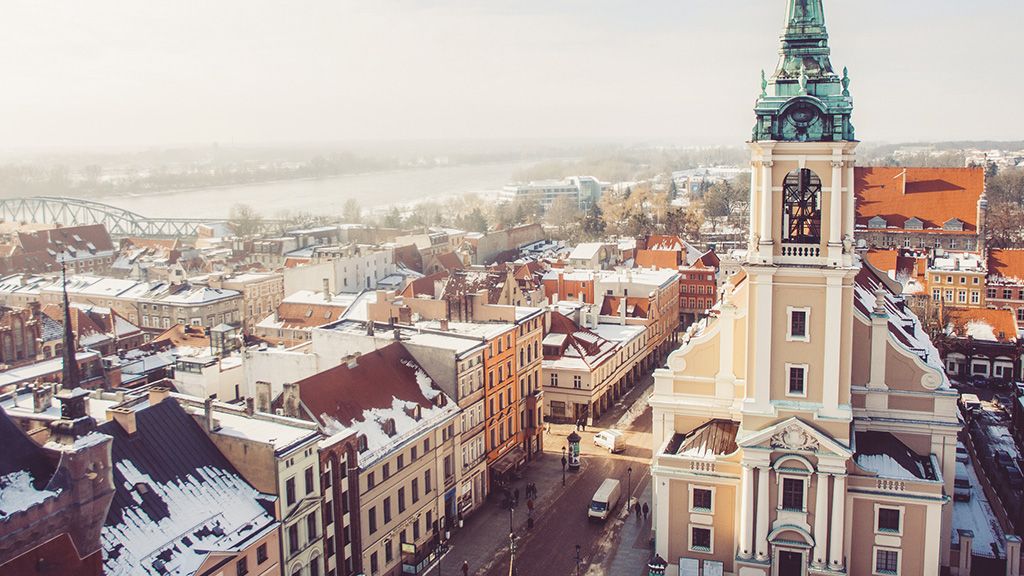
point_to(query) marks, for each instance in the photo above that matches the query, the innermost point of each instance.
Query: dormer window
(914, 224)
(361, 443)
(389, 427)
(877, 223)
(954, 224)
(801, 209)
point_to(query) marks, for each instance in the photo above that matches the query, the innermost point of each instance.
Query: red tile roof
(423, 286)
(636, 307)
(934, 195)
(1006, 263)
(1003, 323)
(378, 378)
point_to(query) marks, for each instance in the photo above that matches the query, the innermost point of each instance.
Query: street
(561, 521)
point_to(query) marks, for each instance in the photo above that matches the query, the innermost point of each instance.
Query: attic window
(954, 224)
(877, 223)
(389, 427)
(361, 443)
(415, 412)
(141, 488)
(440, 400)
(913, 224)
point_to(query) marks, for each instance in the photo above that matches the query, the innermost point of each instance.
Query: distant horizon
(104, 74)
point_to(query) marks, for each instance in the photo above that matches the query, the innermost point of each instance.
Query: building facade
(807, 427)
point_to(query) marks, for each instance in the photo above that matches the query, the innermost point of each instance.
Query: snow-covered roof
(42, 369)
(586, 251)
(403, 404)
(17, 493)
(175, 502)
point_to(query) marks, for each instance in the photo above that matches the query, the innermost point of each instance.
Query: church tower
(808, 420)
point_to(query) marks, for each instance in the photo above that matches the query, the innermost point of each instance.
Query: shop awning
(509, 460)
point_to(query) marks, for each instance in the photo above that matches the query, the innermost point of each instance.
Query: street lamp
(564, 462)
(629, 485)
(578, 561)
(511, 544)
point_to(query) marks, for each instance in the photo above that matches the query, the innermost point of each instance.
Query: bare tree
(245, 220)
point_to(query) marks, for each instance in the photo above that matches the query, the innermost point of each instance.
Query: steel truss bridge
(78, 212)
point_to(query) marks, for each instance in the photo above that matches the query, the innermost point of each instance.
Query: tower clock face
(802, 123)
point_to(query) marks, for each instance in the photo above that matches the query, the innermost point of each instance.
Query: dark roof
(153, 454)
(409, 257)
(21, 453)
(873, 443)
(717, 437)
(58, 555)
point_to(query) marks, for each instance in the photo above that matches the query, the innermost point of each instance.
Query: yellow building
(807, 426)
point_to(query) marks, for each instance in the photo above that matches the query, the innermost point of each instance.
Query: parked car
(978, 381)
(961, 453)
(613, 440)
(605, 499)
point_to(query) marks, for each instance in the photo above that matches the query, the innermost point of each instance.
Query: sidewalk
(485, 533)
(633, 550)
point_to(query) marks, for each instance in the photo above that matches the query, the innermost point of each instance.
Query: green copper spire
(805, 99)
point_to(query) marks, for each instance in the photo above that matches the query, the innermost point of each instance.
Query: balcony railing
(801, 250)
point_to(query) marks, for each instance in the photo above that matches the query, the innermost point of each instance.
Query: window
(289, 491)
(309, 480)
(401, 500)
(792, 494)
(261, 554)
(242, 566)
(389, 554)
(577, 381)
(370, 483)
(798, 318)
(1020, 314)
(401, 462)
(797, 383)
(1007, 294)
(701, 499)
(961, 296)
(975, 297)
(426, 482)
(936, 294)
(387, 471)
(374, 568)
(888, 520)
(554, 379)
(293, 539)
(700, 539)
(801, 214)
(415, 490)
(311, 527)
(991, 292)
(387, 510)
(412, 454)
(314, 567)
(371, 517)
(887, 561)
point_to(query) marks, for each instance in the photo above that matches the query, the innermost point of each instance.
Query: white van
(605, 499)
(613, 440)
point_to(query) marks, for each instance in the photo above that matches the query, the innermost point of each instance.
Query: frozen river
(325, 196)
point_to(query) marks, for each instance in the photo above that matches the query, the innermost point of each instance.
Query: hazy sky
(115, 72)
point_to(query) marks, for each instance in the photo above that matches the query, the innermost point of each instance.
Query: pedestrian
(465, 568)
(637, 512)
(529, 504)
(647, 511)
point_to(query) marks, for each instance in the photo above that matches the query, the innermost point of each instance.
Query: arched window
(801, 207)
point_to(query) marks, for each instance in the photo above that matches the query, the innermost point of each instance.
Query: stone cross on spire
(70, 377)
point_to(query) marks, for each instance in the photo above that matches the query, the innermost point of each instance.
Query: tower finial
(70, 378)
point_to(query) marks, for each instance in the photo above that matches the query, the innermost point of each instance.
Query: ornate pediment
(795, 435)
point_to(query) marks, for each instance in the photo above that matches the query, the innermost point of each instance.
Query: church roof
(715, 438)
(933, 195)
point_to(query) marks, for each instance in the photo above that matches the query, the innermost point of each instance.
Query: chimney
(398, 335)
(405, 315)
(327, 290)
(42, 397)
(291, 400)
(125, 418)
(250, 406)
(263, 395)
(158, 394)
(444, 324)
(208, 414)
(353, 361)
(369, 328)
